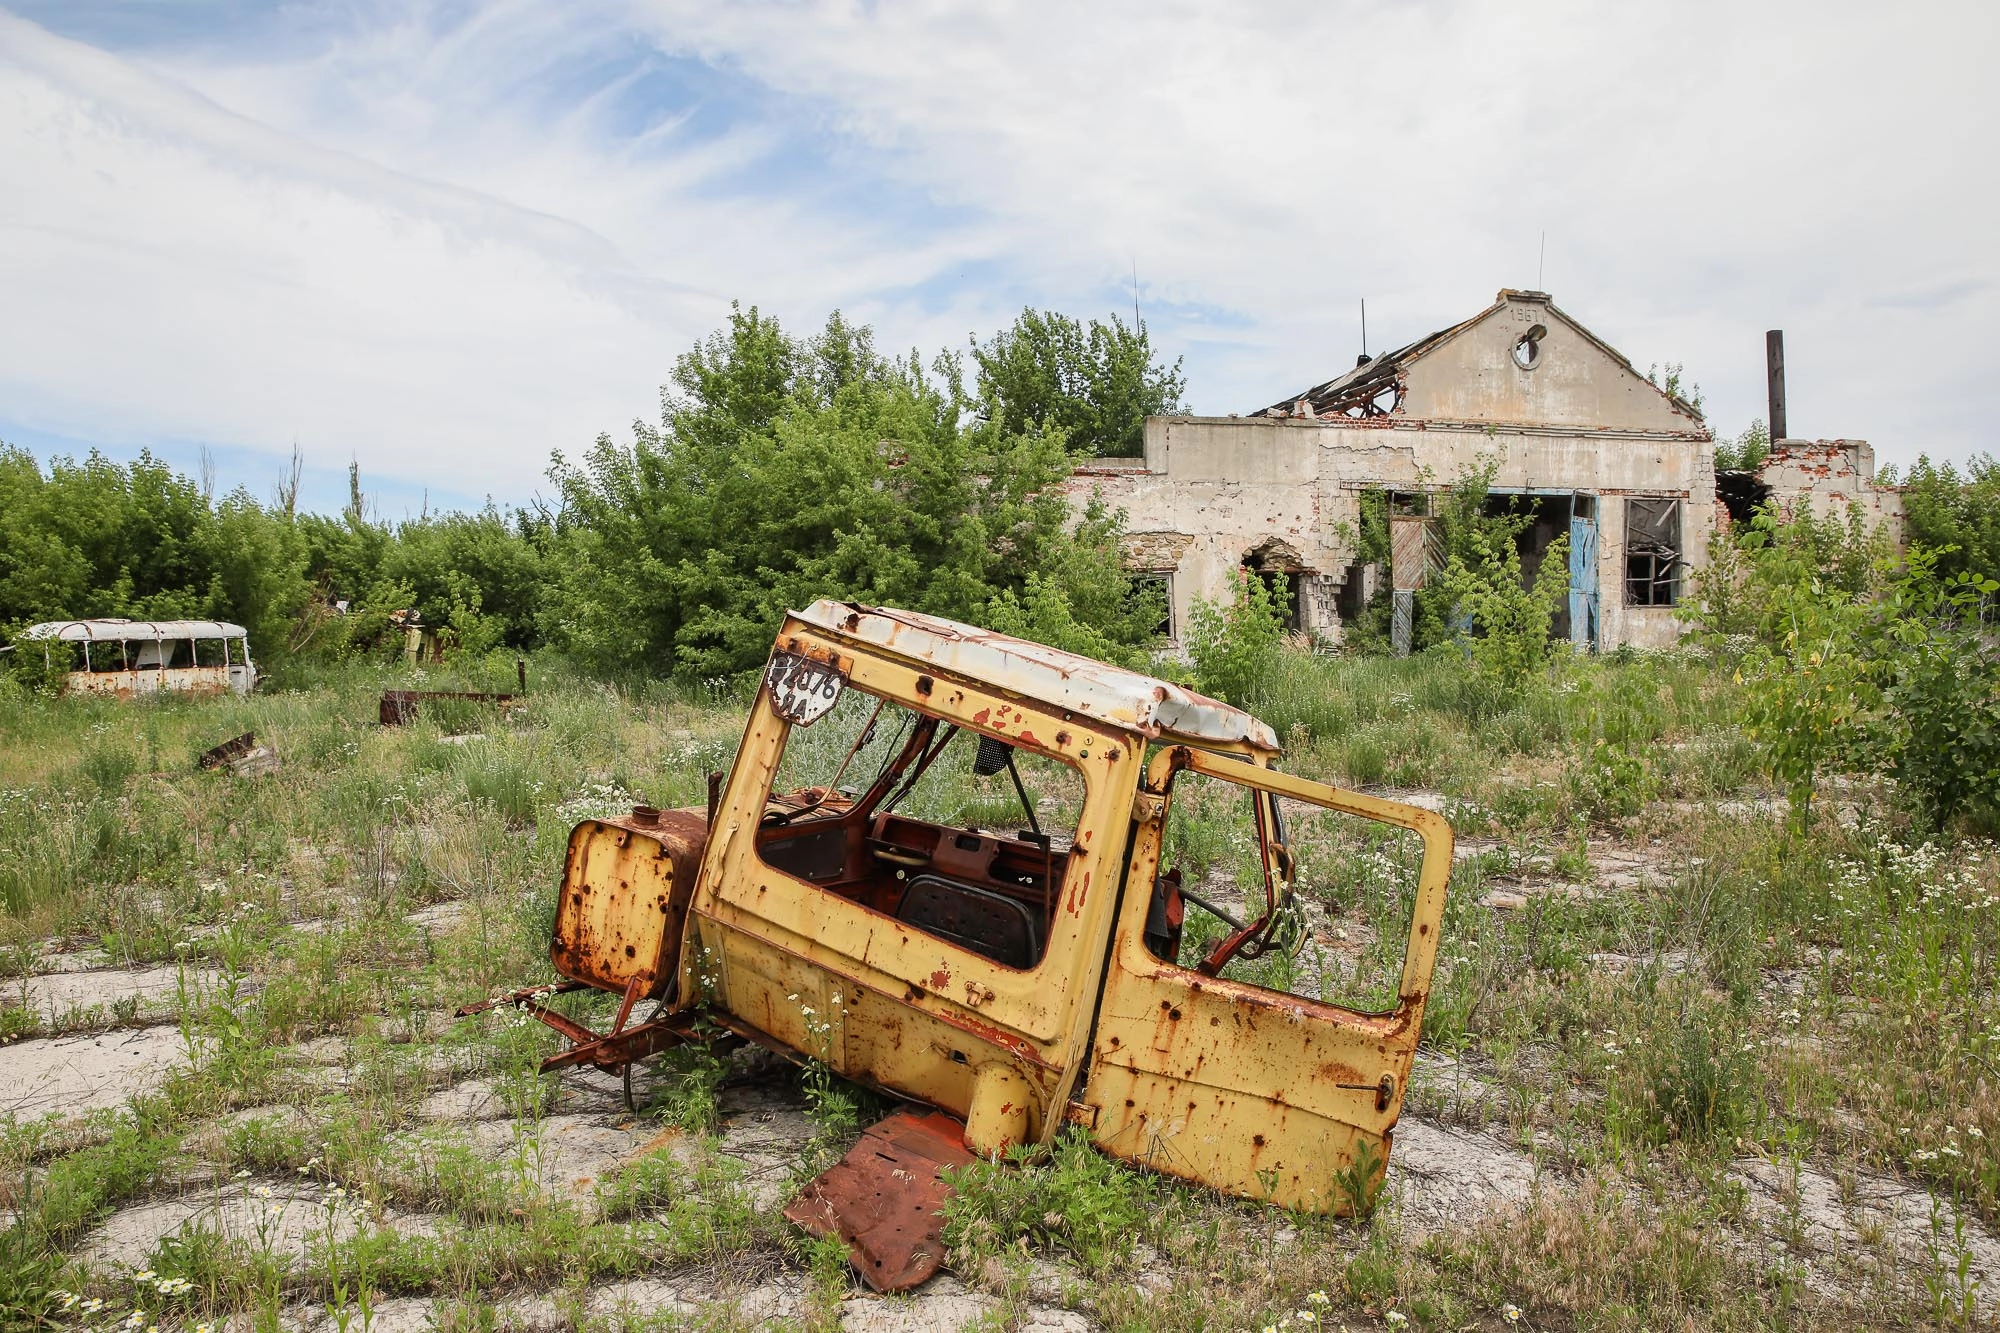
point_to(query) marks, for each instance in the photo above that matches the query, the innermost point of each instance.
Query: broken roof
(1157, 709)
(1374, 388)
(113, 630)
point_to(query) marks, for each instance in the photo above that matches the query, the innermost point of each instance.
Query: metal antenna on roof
(1364, 328)
(1542, 261)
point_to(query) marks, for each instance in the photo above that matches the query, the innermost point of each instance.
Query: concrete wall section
(1213, 491)
(1829, 476)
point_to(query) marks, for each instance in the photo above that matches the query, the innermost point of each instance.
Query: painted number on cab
(802, 690)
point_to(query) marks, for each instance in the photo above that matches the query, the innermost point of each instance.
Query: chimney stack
(1774, 370)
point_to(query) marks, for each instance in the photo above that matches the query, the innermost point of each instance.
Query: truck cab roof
(1154, 708)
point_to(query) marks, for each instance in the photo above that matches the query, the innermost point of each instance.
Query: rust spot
(924, 686)
(940, 979)
(979, 718)
(1078, 892)
(1257, 1139)
(1062, 738)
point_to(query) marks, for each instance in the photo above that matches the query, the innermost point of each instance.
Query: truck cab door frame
(1254, 1092)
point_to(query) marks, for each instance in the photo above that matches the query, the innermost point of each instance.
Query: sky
(446, 239)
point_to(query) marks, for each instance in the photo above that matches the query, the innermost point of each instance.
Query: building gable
(1482, 371)
(1565, 376)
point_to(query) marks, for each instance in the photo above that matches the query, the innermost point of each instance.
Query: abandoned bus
(132, 657)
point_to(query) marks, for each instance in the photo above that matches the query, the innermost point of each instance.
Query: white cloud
(449, 239)
(1703, 172)
(175, 270)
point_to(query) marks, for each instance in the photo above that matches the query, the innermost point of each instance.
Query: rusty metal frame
(1426, 916)
(611, 1051)
(1254, 1092)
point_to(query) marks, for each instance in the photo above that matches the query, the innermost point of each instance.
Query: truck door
(1257, 1091)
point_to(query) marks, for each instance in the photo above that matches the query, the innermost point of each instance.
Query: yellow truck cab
(981, 875)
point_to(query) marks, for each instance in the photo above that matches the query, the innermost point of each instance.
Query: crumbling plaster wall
(1829, 476)
(1214, 488)
(1575, 381)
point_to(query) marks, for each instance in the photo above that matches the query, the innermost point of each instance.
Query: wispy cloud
(447, 238)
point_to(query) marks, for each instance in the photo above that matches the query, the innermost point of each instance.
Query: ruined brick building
(1592, 447)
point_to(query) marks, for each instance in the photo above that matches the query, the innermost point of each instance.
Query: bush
(36, 668)
(1957, 516)
(788, 469)
(1886, 667)
(1236, 647)
(1940, 680)
(1689, 1076)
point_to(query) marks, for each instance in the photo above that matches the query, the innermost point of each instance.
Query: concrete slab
(1443, 1178)
(71, 1076)
(74, 997)
(278, 1217)
(940, 1304)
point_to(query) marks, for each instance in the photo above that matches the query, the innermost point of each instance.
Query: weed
(827, 1282)
(1687, 1074)
(1071, 1199)
(687, 1085)
(1359, 1182)
(31, 1280)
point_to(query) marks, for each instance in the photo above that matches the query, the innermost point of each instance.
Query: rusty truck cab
(938, 866)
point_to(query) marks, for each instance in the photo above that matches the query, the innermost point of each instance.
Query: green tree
(1506, 618)
(1236, 645)
(1746, 452)
(1939, 673)
(1956, 516)
(97, 538)
(1096, 384)
(789, 469)
(1083, 601)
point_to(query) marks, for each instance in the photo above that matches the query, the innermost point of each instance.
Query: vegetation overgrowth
(1818, 996)
(1723, 915)
(782, 469)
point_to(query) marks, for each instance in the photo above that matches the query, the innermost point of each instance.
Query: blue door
(1583, 583)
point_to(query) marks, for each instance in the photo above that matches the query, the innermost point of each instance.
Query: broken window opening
(1652, 551)
(1742, 493)
(1283, 577)
(1154, 589)
(1528, 347)
(948, 831)
(1542, 520)
(1338, 891)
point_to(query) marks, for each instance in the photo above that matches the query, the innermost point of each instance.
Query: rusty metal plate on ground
(884, 1196)
(232, 749)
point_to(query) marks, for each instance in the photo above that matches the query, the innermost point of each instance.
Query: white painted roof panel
(1154, 708)
(113, 631)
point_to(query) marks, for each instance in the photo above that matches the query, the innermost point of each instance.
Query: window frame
(806, 918)
(1664, 561)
